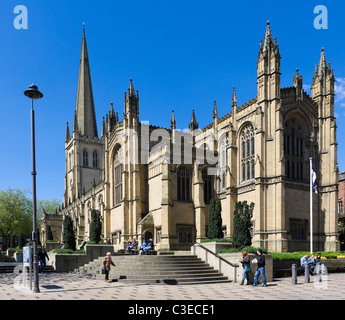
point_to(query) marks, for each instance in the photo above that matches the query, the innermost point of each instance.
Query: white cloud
(339, 88)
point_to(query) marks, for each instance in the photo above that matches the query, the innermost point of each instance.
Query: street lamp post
(33, 93)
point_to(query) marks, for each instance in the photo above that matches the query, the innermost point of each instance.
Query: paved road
(64, 286)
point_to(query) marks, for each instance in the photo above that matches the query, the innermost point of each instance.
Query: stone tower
(84, 149)
(323, 95)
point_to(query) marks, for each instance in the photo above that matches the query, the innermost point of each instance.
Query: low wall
(234, 274)
(284, 268)
(65, 262)
(217, 246)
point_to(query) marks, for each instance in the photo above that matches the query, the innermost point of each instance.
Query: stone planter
(233, 257)
(229, 271)
(18, 256)
(216, 246)
(10, 253)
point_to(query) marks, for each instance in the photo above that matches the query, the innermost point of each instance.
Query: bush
(232, 250)
(68, 251)
(215, 220)
(95, 226)
(68, 234)
(242, 223)
(228, 240)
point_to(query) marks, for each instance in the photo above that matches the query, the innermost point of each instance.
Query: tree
(21, 241)
(68, 234)
(15, 214)
(242, 223)
(215, 220)
(95, 226)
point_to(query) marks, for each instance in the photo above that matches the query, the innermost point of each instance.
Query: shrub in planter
(95, 226)
(215, 220)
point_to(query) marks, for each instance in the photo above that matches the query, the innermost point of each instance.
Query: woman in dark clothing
(246, 266)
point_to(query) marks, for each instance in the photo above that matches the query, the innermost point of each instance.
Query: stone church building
(150, 182)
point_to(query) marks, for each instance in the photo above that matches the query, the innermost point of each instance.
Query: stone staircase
(155, 269)
(8, 267)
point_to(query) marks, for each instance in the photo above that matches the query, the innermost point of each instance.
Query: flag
(313, 177)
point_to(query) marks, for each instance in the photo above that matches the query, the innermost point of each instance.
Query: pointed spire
(234, 98)
(297, 80)
(173, 121)
(111, 111)
(215, 111)
(131, 91)
(85, 109)
(268, 36)
(75, 123)
(103, 128)
(193, 124)
(68, 135)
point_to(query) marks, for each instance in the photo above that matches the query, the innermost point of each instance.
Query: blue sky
(182, 55)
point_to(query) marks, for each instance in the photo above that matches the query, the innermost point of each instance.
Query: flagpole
(311, 205)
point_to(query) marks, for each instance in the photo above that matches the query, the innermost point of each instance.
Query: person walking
(42, 255)
(106, 266)
(260, 269)
(246, 267)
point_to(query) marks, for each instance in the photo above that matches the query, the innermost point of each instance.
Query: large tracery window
(184, 183)
(118, 177)
(293, 149)
(248, 153)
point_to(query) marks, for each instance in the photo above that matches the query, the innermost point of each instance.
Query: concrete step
(155, 269)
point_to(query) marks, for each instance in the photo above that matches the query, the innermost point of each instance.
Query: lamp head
(33, 92)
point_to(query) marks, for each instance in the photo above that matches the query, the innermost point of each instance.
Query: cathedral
(151, 182)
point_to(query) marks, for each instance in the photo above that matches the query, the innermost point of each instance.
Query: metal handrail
(216, 255)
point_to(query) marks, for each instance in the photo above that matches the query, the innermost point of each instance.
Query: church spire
(173, 121)
(68, 135)
(215, 111)
(193, 124)
(85, 109)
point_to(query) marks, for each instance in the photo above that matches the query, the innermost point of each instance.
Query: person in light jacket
(106, 265)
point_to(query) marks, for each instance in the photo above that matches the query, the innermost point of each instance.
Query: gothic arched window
(95, 159)
(293, 149)
(85, 158)
(248, 153)
(184, 183)
(208, 185)
(117, 177)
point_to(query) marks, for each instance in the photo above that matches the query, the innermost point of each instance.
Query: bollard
(294, 274)
(318, 272)
(306, 273)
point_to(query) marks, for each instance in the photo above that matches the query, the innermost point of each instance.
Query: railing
(220, 259)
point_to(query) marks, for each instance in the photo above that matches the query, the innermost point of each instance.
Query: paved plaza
(65, 286)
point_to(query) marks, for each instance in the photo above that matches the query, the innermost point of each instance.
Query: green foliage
(68, 251)
(227, 240)
(254, 250)
(49, 233)
(15, 214)
(215, 220)
(21, 241)
(242, 224)
(95, 226)
(68, 234)
(250, 249)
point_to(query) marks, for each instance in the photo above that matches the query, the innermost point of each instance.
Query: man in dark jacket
(42, 255)
(260, 269)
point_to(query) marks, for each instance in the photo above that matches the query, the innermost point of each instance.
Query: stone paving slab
(65, 286)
